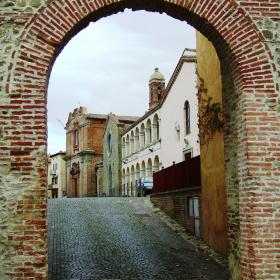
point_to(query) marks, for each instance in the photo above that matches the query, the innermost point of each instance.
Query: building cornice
(58, 153)
(81, 153)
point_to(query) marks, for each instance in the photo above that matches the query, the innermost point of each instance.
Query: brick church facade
(84, 140)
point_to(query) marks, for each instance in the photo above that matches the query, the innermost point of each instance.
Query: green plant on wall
(210, 114)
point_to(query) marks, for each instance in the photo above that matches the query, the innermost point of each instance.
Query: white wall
(149, 152)
(171, 145)
(60, 171)
(173, 133)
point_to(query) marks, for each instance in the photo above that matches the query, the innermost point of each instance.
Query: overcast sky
(107, 66)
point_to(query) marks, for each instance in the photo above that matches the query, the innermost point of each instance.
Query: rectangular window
(188, 155)
(190, 206)
(187, 117)
(194, 213)
(196, 207)
(76, 137)
(196, 216)
(54, 166)
(187, 152)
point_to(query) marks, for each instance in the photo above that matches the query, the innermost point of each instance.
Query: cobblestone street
(119, 238)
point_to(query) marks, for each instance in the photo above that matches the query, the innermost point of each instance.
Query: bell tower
(157, 87)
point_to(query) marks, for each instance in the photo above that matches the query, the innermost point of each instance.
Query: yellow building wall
(213, 195)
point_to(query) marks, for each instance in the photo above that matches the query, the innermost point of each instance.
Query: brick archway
(250, 102)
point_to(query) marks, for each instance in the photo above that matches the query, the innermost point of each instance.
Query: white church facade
(168, 132)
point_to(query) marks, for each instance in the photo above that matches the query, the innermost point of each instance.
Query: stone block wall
(245, 35)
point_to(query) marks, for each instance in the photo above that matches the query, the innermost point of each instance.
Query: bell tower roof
(157, 87)
(156, 77)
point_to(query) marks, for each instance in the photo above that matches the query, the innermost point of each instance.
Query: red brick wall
(246, 37)
(86, 153)
(95, 136)
(174, 204)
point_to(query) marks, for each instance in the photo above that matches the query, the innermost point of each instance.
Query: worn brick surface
(120, 238)
(246, 37)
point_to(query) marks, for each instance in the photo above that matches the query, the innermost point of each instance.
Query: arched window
(132, 142)
(127, 145)
(109, 144)
(137, 171)
(143, 169)
(155, 133)
(142, 136)
(159, 93)
(149, 168)
(187, 117)
(127, 182)
(76, 136)
(148, 132)
(123, 148)
(137, 140)
(156, 164)
(123, 182)
(132, 182)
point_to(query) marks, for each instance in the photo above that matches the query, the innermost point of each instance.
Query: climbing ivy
(210, 115)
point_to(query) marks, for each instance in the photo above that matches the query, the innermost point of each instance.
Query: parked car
(144, 186)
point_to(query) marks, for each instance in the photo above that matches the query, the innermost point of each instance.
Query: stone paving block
(120, 238)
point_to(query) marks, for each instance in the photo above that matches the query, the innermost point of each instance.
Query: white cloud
(56, 138)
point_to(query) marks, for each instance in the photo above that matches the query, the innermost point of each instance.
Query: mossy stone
(35, 3)
(21, 3)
